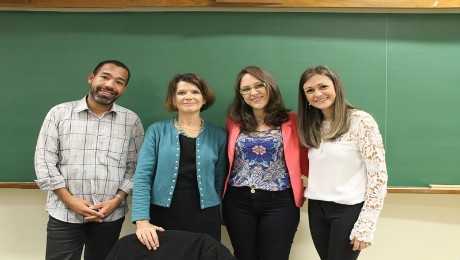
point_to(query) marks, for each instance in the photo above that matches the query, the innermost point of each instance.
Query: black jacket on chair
(174, 245)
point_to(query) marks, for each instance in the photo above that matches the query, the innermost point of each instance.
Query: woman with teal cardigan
(181, 168)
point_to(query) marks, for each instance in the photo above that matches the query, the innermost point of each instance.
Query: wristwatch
(121, 198)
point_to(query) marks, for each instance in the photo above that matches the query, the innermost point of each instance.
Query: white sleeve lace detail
(373, 154)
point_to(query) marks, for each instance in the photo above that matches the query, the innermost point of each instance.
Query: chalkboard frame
(376, 45)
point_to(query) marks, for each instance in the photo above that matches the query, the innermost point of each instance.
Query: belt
(245, 190)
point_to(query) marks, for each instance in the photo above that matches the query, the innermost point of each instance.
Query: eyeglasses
(257, 87)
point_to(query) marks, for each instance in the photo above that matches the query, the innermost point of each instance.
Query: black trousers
(330, 227)
(261, 225)
(65, 241)
(186, 214)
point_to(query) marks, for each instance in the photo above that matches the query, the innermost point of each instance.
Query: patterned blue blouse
(259, 161)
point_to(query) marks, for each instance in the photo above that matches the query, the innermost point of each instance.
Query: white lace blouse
(351, 169)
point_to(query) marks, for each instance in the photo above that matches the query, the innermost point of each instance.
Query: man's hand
(105, 208)
(80, 206)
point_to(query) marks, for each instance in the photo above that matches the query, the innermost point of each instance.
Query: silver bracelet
(121, 198)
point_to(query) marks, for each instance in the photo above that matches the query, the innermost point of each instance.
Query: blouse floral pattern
(259, 161)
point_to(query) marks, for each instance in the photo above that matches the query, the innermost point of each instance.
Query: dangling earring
(309, 106)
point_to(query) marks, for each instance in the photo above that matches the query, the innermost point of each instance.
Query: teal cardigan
(158, 164)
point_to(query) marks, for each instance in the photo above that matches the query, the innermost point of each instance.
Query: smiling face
(108, 84)
(188, 98)
(320, 93)
(257, 97)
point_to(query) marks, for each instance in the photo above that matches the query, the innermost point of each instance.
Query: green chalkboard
(402, 68)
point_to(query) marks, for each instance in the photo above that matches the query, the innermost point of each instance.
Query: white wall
(412, 226)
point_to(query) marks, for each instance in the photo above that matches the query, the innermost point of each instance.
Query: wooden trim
(418, 190)
(251, 1)
(429, 4)
(64, 3)
(19, 185)
(126, 4)
(308, 3)
(14, 1)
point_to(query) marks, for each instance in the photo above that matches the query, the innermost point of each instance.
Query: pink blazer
(295, 155)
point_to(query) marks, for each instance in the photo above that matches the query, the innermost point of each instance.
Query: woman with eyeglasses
(181, 168)
(264, 188)
(348, 175)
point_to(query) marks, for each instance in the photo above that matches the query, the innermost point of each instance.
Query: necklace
(179, 127)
